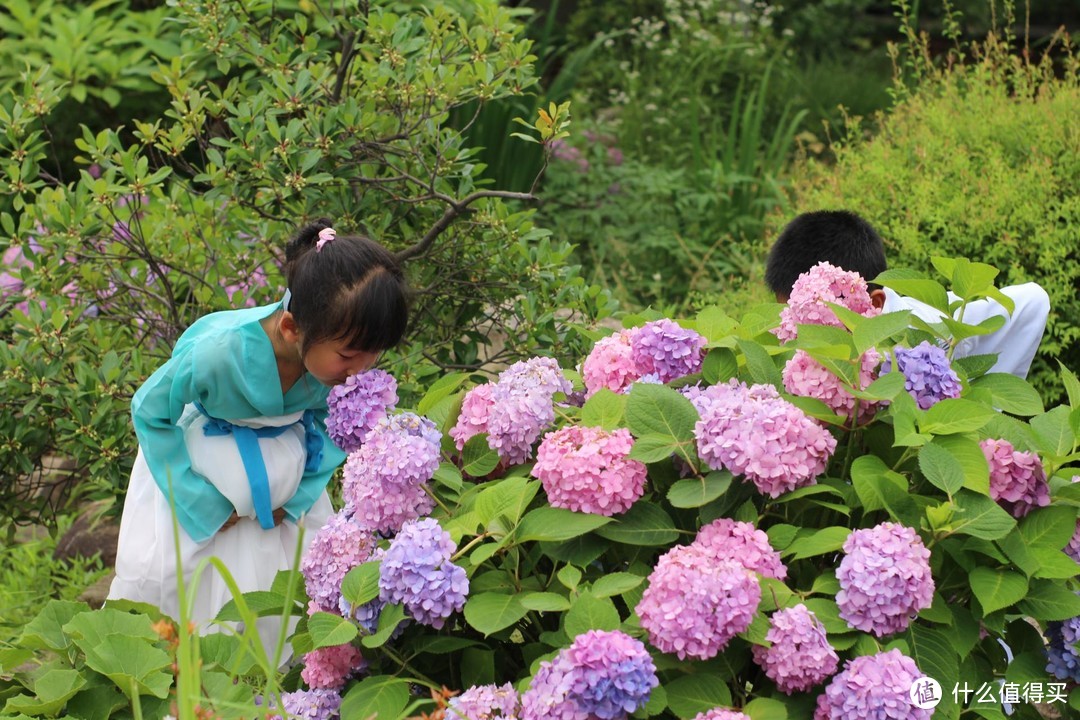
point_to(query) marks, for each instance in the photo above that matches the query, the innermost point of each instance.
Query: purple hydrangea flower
(727, 539)
(928, 376)
(721, 714)
(668, 351)
(416, 572)
(1017, 479)
(1073, 548)
(484, 702)
(695, 604)
(317, 704)
(385, 480)
(800, 655)
(357, 405)
(339, 546)
(1062, 657)
(873, 686)
(884, 579)
(523, 406)
(602, 675)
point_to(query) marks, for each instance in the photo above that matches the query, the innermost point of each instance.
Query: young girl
(232, 427)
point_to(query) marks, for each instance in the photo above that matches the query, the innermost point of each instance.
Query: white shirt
(1014, 343)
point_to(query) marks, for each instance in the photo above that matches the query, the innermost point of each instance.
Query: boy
(847, 241)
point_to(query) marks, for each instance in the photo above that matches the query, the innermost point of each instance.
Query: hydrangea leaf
(328, 630)
(380, 697)
(605, 409)
(490, 612)
(997, 589)
(693, 694)
(1011, 394)
(556, 524)
(659, 410)
(132, 663)
(695, 492)
(644, 524)
(589, 612)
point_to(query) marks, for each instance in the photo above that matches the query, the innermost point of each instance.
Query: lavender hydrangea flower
(317, 704)
(339, 546)
(666, 350)
(357, 405)
(727, 539)
(721, 714)
(695, 603)
(484, 702)
(928, 376)
(1017, 479)
(523, 406)
(1062, 656)
(885, 579)
(1073, 548)
(416, 572)
(384, 481)
(800, 655)
(873, 686)
(602, 675)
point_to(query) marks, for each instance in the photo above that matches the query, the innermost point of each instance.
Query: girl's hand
(279, 516)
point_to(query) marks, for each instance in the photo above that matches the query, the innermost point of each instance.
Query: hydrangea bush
(715, 546)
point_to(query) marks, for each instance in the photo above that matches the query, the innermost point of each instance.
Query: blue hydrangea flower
(1062, 657)
(928, 376)
(417, 573)
(318, 704)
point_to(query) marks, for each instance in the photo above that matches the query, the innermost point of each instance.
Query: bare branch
(452, 211)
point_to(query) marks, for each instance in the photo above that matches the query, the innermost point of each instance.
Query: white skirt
(146, 569)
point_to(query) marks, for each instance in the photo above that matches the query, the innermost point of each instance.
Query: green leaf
(1053, 432)
(643, 524)
(941, 468)
(692, 694)
(508, 497)
(361, 584)
(569, 576)
(441, 388)
(1053, 526)
(1011, 394)
(981, 517)
(605, 409)
(874, 330)
(46, 629)
(90, 628)
(52, 690)
(491, 612)
(380, 697)
(588, 612)
(765, 709)
(760, 364)
(328, 630)
(936, 658)
(659, 410)
(260, 602)
(879, 488)
(1053, 563)
(545, 601)
(1048, 600)
(653, 448)
(917, 286)
(955, 415)
(477, 457)
(969, 455)
(714, 324)
(389, 618)
(695, 492)
(997, 589)
(720, 365)
(615, 584)
(555, 524)
(128, 660)
(820, 542)
(1072, 385)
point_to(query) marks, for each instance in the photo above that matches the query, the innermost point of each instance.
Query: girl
(232, 427)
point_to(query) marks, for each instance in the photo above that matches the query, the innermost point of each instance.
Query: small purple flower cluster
(484, 702)
(1073, 548)
(385, 480)
(317, 704)
(587, 469)
(357, 405)
(751, 431)
(721, 714)
(928, 375)
(1017, 479)
(885, 579)
(805, 376)
(417, 572)
(822, 284)
(602, 675)
(1062, 656)
(515, 410)
(330, 667)
(696, 603)
(872, 686)
(659, 351)
(339, 546)
(800, 655)
(727, 539)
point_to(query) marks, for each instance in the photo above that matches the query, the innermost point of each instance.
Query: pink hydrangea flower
(484, 702)
(339, 546)
(727, 539)
(721, 714)
(754, 433)
(805, 376)
(586, 469)
(1017, 479)
(610, 364)
(873, 686)
(823, 283)
(330, 667)
(885, 579)
(800, 655)
(694, 604)
(473, 419)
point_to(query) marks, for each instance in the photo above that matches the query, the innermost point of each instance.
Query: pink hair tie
(325, 236)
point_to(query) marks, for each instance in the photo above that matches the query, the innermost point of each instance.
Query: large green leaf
(659, 410)
(1053, 432)
(695, 492)
(441, 388)
(967, 453)
(766, 709)
(1053, 526)
(52, 690)
(490, 612)
(552, 524)
(719, 366)
(91, 628)
(997, 589)
(589, 612)
(981, 517)
(819, 542)
(389, 618)
(643, 524)
(507, 497)
(126, 659)
(615, 584)
(605, 409)
(941, 468)
(1011, 394)
(874, 330)
(380, 697)
(879, 488)
(477, 457)
(328, 630)
(261, 602)
(915, 285)
(46, 629)
(692, 694)
(934, 655)
(361, 584)
(1049, 600)
(713, 323)
(955, 415)
(545, 601)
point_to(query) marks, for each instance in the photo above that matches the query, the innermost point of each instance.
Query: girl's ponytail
(303, 241)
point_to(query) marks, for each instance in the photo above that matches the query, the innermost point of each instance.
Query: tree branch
(453, 211)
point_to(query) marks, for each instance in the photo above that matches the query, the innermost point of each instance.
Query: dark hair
(839, 237)
(353, 289)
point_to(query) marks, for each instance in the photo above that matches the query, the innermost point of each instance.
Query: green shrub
(982, 159)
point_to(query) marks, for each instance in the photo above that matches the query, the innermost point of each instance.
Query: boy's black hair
(353, 289)
(839, 237)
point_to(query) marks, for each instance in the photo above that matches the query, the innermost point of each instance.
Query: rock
(92, 533)
(95, 595)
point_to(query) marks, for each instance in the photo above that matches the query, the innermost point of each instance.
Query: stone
(91, 534)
